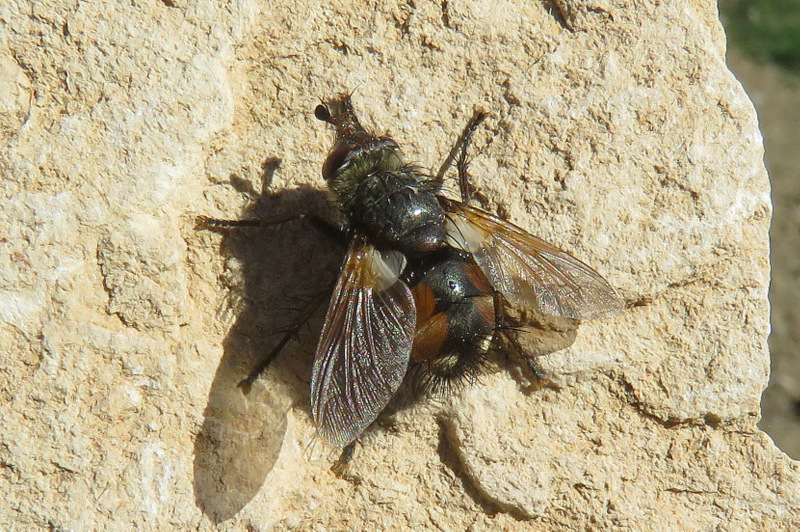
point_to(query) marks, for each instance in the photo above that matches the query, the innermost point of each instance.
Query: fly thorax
(349, 163)
(399, 209)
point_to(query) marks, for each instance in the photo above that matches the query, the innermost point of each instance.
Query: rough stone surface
(617, 132)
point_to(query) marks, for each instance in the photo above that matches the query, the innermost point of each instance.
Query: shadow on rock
(274, 268)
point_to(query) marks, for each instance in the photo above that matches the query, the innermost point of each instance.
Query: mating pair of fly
(426, 282)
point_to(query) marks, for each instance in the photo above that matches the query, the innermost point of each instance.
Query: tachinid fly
(426, 280)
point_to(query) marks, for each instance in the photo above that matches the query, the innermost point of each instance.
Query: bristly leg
(534, 370)
(459, 154)
(508, 327)
(203, 222)
(339, 467)
(289, 332)
(335, 232)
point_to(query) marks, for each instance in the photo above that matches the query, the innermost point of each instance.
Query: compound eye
(322, 113)
(339, 156)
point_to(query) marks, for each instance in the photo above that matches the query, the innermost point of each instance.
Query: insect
(426, 279)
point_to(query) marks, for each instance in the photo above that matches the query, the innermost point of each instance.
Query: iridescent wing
(363, 353)
(527, 270)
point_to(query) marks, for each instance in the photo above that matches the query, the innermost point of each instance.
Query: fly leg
(305, 315)
(509, 327)
(288, 333)
(212, 224)
(458, 155)
(339, 467)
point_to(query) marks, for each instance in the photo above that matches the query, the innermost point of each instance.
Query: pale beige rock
(617, 132)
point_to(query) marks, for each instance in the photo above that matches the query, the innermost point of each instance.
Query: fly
(427, 280)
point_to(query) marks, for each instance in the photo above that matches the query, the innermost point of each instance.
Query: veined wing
(363, 353)
(527, 270)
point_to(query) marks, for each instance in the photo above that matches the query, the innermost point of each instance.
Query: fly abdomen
(456, 321)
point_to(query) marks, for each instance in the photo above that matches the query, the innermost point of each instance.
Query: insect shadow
(279, 268)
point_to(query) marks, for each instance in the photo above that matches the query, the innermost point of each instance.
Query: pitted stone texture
(616, 132)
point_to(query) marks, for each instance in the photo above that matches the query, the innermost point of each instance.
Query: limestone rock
(616, 132)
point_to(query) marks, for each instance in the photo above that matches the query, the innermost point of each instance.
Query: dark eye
(337, 158)
(322, 113)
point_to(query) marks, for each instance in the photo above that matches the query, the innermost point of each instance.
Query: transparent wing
(527, 270)
(365, 345)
